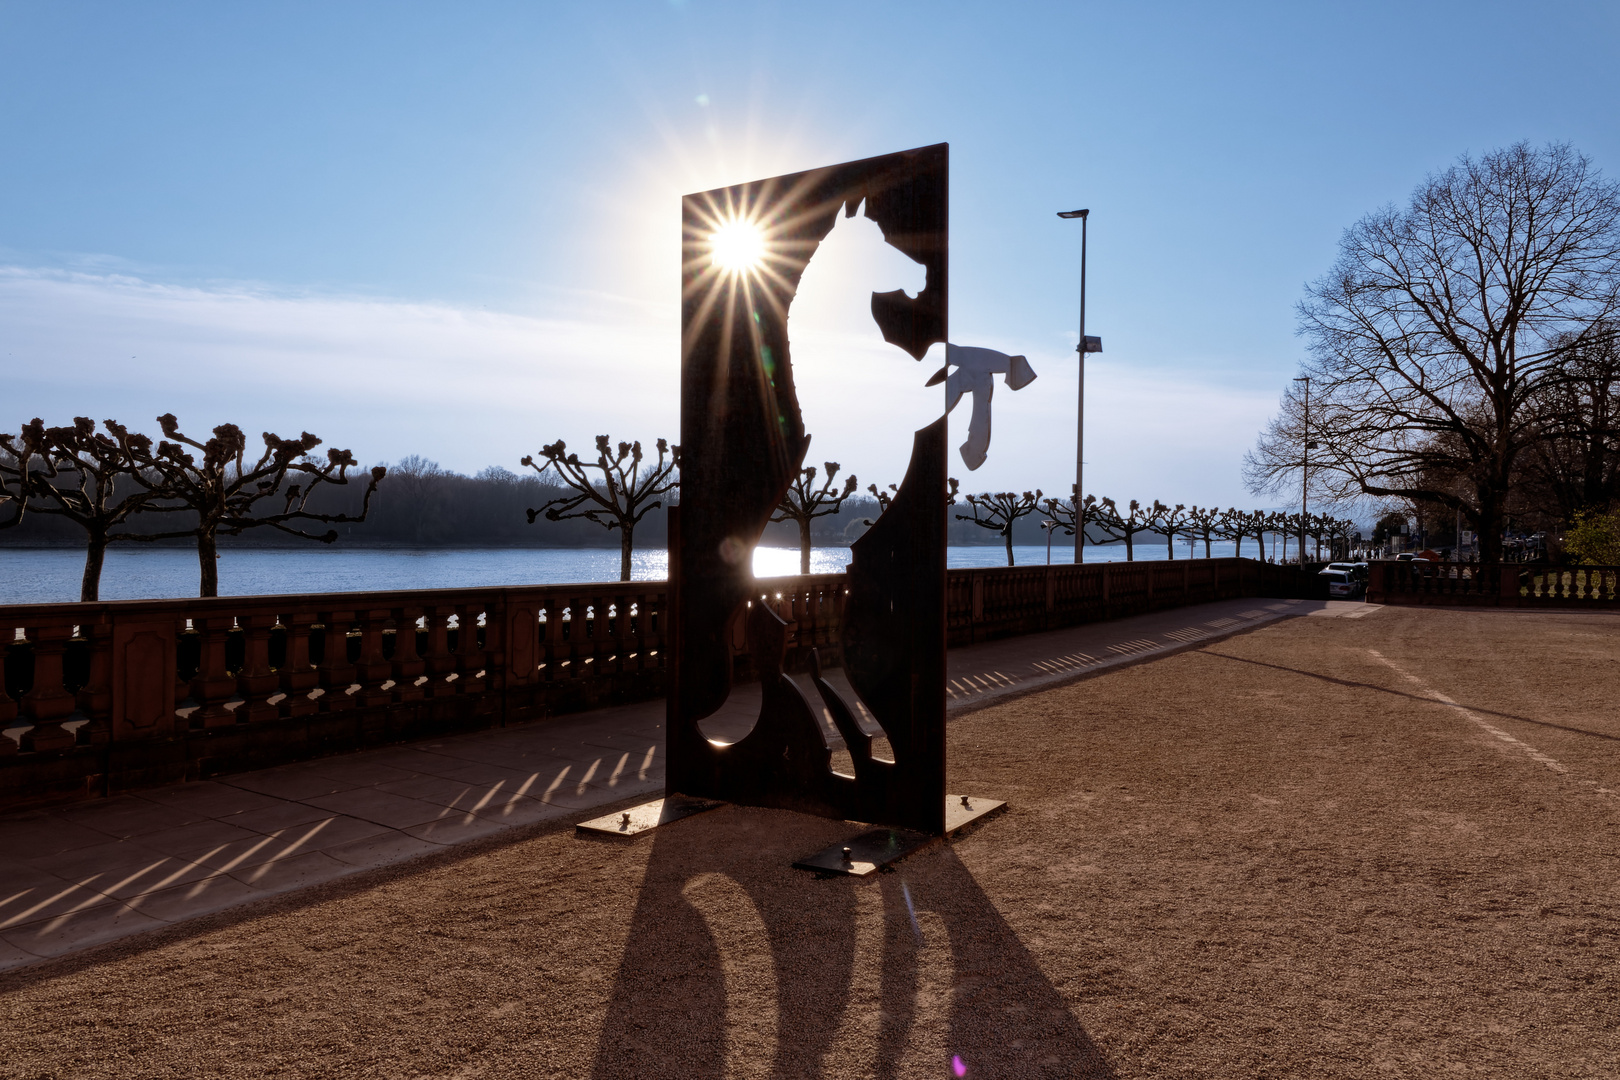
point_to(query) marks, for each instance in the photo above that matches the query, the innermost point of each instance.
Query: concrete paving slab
(288, 783)
(201, 897)
(371, 804)
(129, 815)
(47, 901)
(80, 930)
(200, 837)
(381, 850)
(299, 872)
(35, 834)
(283, 815)
(210, 799)
(154, 878)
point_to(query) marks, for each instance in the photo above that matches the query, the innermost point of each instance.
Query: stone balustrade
(1494, 585)
(104, 697)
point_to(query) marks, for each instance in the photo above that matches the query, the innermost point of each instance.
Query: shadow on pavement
(736, 964)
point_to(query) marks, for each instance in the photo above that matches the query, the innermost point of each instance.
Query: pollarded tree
(17, 457)
(1235, 524)
(95, 481)
(1167, 522)
(998, 511)
(1125, 524)
(803, 502)
(885, 497)
(624, 493)
(1062, 511)
(1203, 523)
(230, 494)
(1443, 323)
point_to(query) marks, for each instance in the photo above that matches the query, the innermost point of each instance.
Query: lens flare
(958, 1066)
(737, 247)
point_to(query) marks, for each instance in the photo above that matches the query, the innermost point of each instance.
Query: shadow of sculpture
(736, 965)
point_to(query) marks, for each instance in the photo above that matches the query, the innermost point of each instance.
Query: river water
(51, 575)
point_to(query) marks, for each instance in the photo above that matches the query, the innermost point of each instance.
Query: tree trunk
(626, 544)
(94, 556)
(1130, 556)
(1170, 545)
(1207, 552)
(1008, 535)
(1237, 549)
(208, 563)
(804, 546)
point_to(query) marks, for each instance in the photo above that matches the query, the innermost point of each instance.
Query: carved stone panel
(143, 680)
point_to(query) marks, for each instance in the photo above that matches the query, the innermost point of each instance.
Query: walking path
(88, 873)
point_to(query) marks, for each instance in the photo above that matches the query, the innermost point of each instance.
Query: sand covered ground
(1381, 847)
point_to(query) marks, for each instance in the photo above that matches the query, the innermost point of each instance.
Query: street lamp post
(1087, 345)
(1305, 470)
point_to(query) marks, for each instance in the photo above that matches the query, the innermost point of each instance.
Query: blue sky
(453, 229)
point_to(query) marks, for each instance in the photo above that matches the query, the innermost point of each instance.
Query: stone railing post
(213, 685)
(48, 703)
(95, 697)
(440, 662)
(407, 666)
(335, 672)
(298, 675)
(373, 670)
(256, 681)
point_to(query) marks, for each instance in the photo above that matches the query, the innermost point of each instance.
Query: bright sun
(737, 246)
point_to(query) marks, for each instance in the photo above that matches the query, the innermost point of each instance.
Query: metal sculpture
(743, 441)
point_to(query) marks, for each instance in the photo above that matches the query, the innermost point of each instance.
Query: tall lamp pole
(1305, 470)
(1087, 345)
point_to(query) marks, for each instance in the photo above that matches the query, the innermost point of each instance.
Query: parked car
(1342, 585)
(1357, 570)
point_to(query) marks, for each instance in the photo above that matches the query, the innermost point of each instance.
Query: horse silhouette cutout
(861, 396)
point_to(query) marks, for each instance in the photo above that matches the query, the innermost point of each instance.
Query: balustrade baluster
(257, 682)
(473, 668)
(213, 687)
(407, 665)
(48, 703)
(95, 696)
(298, 676)
(373, 671)
(439, 662)
(337, 674)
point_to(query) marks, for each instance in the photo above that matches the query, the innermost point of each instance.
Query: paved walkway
(84, 874)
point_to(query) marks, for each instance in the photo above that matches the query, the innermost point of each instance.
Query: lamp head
(1073, 213)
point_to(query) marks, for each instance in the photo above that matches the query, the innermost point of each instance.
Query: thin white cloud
(470, 388)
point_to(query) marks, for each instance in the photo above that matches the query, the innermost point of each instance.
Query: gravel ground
(1280, 855)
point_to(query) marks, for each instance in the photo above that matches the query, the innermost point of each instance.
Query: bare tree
(1576, 463)
(1235, 524)
(230, 495)
(1124, 524)
(998, 511)
(17, 456)
(95, 481)
(1440, 323)
(885, 497)
(1062, 511)
(803, 502)
(1167, 522)
(623, 495)
(1204, 523)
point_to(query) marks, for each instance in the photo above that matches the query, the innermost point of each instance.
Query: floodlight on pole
(1086, 345)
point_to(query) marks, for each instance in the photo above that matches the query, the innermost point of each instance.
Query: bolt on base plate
(650, 815)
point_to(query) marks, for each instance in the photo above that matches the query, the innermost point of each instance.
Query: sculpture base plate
(866, 853)
(963, 810)
(872, 851)
(647, 816)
